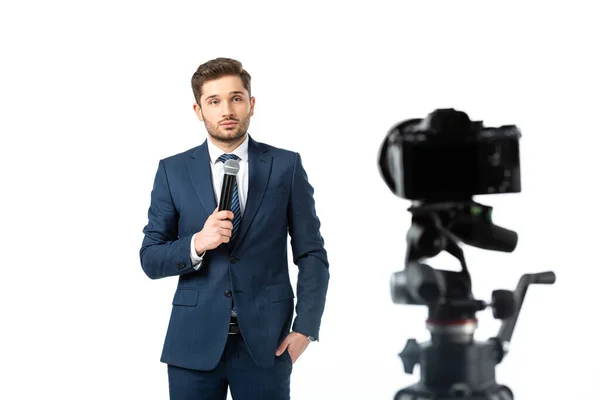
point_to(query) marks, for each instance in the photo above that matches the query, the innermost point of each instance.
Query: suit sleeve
(309, 254)
(163, 252)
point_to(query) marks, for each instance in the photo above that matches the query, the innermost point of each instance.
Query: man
(233, 307)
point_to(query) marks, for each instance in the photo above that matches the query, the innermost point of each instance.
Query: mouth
(229, 124)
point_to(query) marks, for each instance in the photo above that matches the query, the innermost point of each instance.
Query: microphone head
(231, 167)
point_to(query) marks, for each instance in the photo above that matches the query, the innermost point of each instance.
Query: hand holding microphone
(218, 227)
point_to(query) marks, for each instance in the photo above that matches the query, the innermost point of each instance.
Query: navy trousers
(235, 370)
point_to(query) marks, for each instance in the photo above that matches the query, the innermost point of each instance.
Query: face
(225, 108)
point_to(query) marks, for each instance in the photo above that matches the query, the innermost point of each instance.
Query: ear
(198, 111)
(252, 101)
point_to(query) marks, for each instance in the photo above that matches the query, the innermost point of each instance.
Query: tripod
(453, 365)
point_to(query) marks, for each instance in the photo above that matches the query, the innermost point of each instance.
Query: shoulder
(182, 157)
(279, 153)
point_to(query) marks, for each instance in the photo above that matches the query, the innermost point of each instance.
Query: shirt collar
(241, 151)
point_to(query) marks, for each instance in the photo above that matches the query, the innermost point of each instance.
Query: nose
(226, 109)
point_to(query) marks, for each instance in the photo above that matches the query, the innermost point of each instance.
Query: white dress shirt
(217, 176)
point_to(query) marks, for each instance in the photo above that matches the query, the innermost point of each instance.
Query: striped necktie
(235, 200)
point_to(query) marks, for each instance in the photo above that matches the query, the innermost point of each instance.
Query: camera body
(448, 157)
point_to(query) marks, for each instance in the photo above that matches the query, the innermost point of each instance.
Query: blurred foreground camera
(448, 157)
(439, 163)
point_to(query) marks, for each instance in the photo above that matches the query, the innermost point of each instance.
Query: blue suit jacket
(253, 267)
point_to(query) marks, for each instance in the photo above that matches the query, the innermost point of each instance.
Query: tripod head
(448, 294)
(439, 163)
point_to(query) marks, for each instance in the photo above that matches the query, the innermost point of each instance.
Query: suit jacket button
(232, 260)
(180, 265)
(228, 293)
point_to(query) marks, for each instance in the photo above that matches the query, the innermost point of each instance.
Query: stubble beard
(232, 135)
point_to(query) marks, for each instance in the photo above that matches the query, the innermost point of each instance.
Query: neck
(227, 146)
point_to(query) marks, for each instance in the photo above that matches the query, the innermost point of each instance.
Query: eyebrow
(212, 96)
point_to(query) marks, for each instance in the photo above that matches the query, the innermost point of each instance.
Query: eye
(237, 99)
(212, 102)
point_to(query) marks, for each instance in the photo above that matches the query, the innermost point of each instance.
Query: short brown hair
(215, 69)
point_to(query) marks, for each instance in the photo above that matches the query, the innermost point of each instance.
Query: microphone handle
(226, 192)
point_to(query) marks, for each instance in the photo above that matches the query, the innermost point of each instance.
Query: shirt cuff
(196, 259)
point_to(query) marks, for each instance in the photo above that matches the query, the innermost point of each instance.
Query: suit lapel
(201, 176)
(259, 170)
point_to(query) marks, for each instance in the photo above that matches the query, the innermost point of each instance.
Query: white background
(93, 94)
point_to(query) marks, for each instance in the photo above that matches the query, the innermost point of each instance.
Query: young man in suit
(231, 322)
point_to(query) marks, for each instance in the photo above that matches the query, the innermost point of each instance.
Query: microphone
(231, 168)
